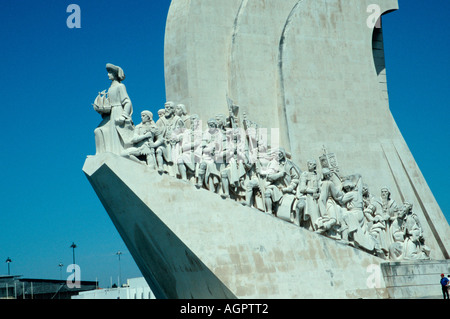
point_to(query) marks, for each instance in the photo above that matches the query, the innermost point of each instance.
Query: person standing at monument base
(444, 284)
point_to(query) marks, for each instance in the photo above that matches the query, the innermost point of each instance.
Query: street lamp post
(120, 275)
(8, 261)
(60, 270)
(73, 246)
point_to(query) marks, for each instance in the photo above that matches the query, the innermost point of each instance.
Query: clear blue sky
(51, 75)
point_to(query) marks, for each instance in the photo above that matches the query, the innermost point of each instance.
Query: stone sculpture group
(233, 159)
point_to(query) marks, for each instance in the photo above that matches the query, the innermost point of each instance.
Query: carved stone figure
(221, 120)
(182, 113)
(282, 178)
(376, 223)
(353, 216)
(415, 247)
(160, 115)
(233, 157)
(256, 171)
(388, 204)
(191, 150)
(146, 139)
(388, 208)
(115, 131)
(368, 198)
(170, 126)
(251, 180)
(396, 246)
(209, 168)
(411, 219)
(308, 192)
(330, 221)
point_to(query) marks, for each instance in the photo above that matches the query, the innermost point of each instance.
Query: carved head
(146, 116)
(407, 207)
(279, 154)
(385, 193)
(348, 186)
(312, 165)
(115, 72)
(365, 190)
(180, 110)
(326, 173)
(195, 121)
(212, 124)
(169, 109)
(221, 120)
(416, 233)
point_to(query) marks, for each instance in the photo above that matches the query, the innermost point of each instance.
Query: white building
(136, 288)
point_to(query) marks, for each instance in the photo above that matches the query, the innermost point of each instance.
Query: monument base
(414, 279)
(191, 243)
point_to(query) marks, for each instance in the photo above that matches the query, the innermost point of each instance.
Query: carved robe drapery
(111, 136)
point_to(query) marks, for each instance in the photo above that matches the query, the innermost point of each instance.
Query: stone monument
(225, 210)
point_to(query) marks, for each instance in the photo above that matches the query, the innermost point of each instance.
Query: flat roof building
(15, 287)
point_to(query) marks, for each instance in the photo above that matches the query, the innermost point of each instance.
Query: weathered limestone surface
(190, 243)
(313, 69)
